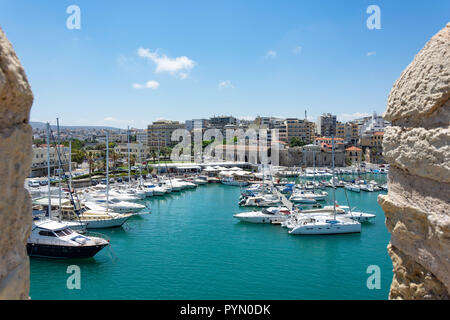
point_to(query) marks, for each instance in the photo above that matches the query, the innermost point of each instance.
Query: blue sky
(205, 58)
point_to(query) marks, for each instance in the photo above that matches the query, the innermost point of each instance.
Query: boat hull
(63, 252)
(326, 230)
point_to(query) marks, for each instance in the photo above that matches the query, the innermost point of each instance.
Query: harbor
(191, 247)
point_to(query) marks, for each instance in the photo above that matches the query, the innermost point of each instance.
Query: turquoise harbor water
(191, 247)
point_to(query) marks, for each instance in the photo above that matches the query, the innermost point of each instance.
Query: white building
(373, 124)
(39, 162)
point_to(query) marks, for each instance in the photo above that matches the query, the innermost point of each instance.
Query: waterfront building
(138, 150)
(160, 133)
(327, 140)
(353, 155)
(40, 157)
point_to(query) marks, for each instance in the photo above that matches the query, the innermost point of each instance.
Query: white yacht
(116, 205)
(259, 201)
(267, 215)
(353, 187)
(51, 239)
(321, 225)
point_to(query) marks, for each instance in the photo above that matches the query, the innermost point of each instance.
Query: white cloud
(166, 64)
(225, 84)
(297, 50)
(152, 84)
(371, 53)
(344, 117)
(271, 54)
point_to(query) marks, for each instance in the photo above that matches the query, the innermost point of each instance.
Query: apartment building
(160, 133)
(302, 129)
(326, 125)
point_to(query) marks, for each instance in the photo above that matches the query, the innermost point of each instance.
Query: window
(47, 233)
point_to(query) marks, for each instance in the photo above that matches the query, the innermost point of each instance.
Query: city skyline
(132, 64)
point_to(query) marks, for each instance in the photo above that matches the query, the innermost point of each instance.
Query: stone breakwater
(417, 147)
(16, 99)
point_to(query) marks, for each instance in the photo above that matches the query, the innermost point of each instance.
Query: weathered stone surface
(15, 152)
(425, 84)
(417, 146)
(420, 151)
(412, 281)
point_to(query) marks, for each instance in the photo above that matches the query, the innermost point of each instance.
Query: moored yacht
(51, 239)
(267, 215)
(321, 225)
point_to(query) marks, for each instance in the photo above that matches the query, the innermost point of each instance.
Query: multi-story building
(353, 154)
(138, 150)
(326, 125)
(39, 162)
(352, 133)
(142, 137)
(340, 130)
(221, 121)
(160, 133)
(196, 124)
(373, 124)
(302, 129)
(372, 143)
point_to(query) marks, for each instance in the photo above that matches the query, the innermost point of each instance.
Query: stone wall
(417, 146)
(16, 99)
(294, 157)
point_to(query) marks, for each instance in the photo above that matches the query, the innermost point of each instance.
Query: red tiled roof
(353, 149)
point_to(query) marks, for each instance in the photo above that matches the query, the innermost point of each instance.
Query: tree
(78, 156)
(153, 155)
(132, 160)
(114, 156)
(89, 156)
(296, 142)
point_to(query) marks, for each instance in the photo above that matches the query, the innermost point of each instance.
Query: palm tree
(153, 155)
(89, 156)
(132, 160)
(114, 156)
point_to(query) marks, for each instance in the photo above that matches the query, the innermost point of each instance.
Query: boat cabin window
(46, 233)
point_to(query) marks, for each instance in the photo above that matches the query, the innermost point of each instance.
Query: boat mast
(334, 189)
(129, 169)
(107, 171)
(70, 165)
(59, 170)
(49, 172)
(314, 170)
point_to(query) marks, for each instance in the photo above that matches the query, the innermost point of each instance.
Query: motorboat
(353, 187)
(259, 201)
(230, 181)
(52, 239)
(266, 215)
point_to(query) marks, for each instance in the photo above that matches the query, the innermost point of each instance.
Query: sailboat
(324, 224)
